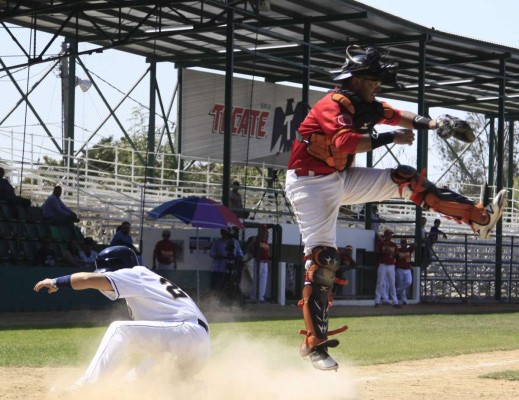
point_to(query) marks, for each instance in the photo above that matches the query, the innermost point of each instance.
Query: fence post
(416, 284)
(282, 275)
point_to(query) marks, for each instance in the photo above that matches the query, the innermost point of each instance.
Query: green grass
(370, 340)
(503, 375)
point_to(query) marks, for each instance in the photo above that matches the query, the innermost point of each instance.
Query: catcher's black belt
(203, 325)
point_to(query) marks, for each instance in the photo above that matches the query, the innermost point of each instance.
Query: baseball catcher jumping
(321, 178)
(165, 321)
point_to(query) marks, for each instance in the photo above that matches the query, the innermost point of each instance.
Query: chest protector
(364, 115)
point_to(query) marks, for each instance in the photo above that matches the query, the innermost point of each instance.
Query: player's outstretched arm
(411, 120)
(77, 281)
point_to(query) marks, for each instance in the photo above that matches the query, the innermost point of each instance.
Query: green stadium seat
(31, 231)
(29, 251)
(43, 230)
(15, 252)
(7, 213)
(58, 252)
(78, 235)
(5, 254)
(33, 214)
(21, 213)
(6, 230)
(60, 233)
(19, 230)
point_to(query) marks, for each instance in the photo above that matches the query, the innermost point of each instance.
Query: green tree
(469, 163)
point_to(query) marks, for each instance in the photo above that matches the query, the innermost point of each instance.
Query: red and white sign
(265, 118)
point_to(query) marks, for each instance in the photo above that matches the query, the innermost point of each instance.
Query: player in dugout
(165, 321)
(321, 178)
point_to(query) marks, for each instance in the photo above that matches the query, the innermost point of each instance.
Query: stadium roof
(281, 40)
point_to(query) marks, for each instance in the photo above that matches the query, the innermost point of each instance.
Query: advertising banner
(265, 118)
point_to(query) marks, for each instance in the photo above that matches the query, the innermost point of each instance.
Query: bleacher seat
(31, 231)
(34, 214)
(20, 232)
(43, 230)
(60, 233)
(6, 230)
(29, 251)
(59, 249)
(7, 214)
(5, 254)
(21, 213)
(15, 253)
(78, 235)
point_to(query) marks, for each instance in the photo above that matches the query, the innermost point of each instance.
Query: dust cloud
(239, 369)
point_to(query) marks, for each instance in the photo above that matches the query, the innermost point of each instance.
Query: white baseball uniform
(165, 320)
(316, 199)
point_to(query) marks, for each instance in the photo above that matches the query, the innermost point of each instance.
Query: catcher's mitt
(453, 126)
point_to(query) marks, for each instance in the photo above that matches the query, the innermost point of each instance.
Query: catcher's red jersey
(331, 119)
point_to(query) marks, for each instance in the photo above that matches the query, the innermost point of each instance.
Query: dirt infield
(443, 378)
(255, 376)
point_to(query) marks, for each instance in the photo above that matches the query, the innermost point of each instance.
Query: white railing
(106, 193)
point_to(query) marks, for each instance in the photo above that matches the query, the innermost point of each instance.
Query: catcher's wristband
(62, 282)
(381, 139)
(420, 122)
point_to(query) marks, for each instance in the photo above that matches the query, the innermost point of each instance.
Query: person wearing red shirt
(259, 248)
(404, 275)
(164, 256)
(321, 178)
(386, 253)
(346, 262)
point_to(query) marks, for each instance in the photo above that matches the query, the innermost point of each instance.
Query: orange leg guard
(426, 195)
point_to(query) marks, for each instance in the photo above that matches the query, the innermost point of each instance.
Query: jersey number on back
(173, 289)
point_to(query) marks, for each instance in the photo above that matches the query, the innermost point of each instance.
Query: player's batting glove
(453, 126)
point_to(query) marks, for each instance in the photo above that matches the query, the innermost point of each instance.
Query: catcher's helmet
(369, 65)
(116, 257)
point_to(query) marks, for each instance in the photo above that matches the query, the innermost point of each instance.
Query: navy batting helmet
(369, 65)
(116, 257)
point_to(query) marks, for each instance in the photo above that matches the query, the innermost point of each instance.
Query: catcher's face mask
(369, 65)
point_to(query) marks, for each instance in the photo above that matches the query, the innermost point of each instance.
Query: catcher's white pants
(316, 200)
(187, 342)
(404, 279)
(385, 272)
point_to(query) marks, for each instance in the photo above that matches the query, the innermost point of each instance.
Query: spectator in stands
(88, 255)
(432, 238)
(434, 232)
(375, 219)
(8, 194)
(45, 256)
(55, 212)
(236, 202)
(72, 256)
(122, 237)
(164, 255)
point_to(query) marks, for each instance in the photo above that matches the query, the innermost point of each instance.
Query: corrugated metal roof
(461, 73)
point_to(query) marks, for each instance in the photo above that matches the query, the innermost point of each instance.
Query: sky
(494, 22)
(116, 72)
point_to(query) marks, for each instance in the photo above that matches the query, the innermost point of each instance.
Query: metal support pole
(422, 143)
(499, 174)
(150, 162)
(229, 70)
(491, 151)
